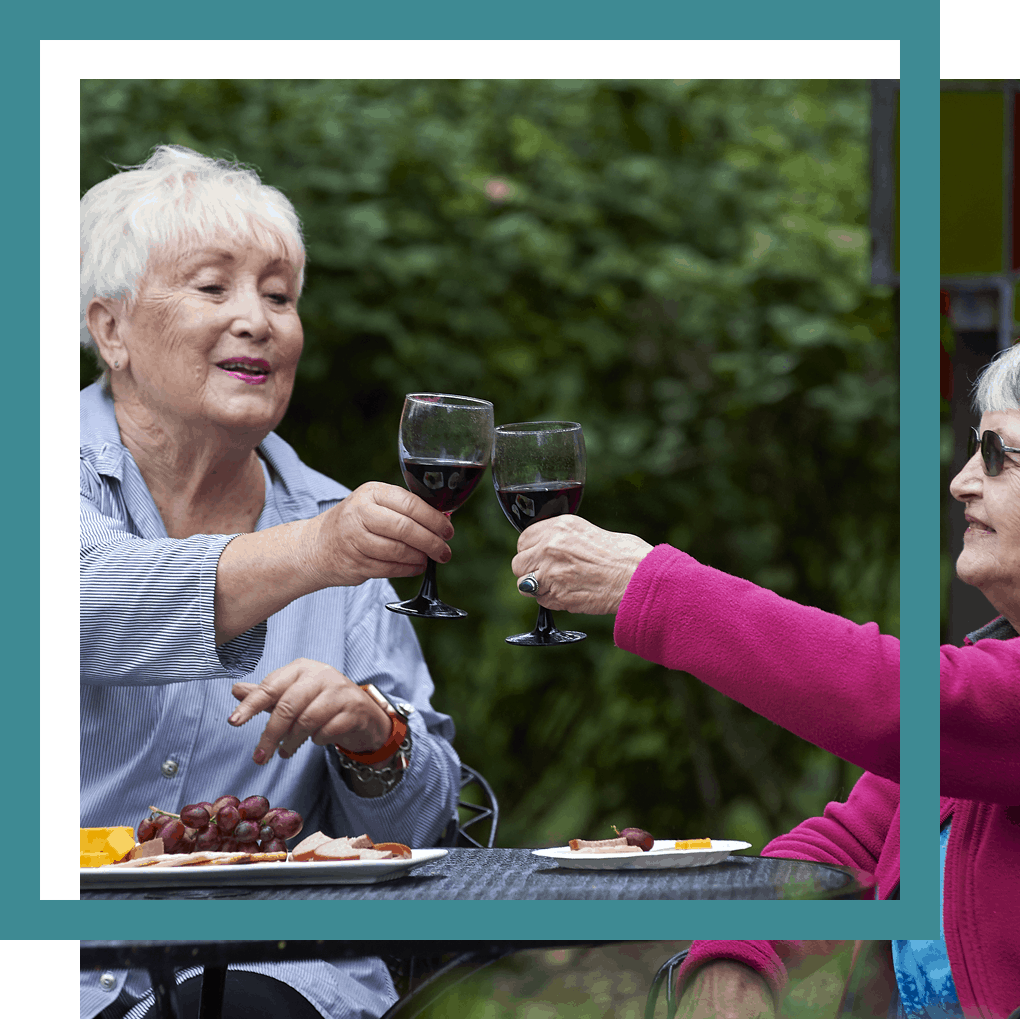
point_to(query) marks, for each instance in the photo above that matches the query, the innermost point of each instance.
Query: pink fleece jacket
(836, 684)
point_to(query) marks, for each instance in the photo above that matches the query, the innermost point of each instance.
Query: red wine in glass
(444, 445)
(529, 504)
(538, 471)
(444, 484)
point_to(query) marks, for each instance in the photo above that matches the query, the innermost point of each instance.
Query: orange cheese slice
(101, 846)
(693, 844)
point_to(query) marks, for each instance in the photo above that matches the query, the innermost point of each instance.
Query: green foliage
(682, 267)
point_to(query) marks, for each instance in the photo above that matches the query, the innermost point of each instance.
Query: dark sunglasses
(993, 453)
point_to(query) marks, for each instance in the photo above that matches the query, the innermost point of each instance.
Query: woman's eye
(279, 299)
(212, 288)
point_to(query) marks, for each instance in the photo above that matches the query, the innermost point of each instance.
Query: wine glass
(444, 445)
(538, 472)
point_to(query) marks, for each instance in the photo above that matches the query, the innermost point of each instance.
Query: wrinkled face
(991, 545)
(214, 336)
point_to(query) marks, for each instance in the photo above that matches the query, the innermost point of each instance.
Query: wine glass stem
(429, 589)
(545, 623)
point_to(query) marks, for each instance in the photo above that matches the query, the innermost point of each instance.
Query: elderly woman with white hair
(220, 576)
(836, 683)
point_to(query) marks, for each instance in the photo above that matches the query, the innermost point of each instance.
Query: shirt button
(107, 981)
(169, 768)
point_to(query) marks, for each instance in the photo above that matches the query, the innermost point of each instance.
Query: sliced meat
(610, 850)
(335, 850)
(303, 851)
(581, 844)
(397, 849)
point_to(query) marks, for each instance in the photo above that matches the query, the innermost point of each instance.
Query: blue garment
(155, 689)
(923, 975)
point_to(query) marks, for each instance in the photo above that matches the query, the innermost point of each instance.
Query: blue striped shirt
(155, 689)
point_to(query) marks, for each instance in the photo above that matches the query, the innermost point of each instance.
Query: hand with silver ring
(584, 569)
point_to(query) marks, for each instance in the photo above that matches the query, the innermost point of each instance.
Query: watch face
(404, 707)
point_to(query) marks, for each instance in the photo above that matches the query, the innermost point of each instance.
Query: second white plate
(662, 855)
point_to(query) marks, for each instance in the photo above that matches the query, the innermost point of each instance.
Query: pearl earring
(116, 364)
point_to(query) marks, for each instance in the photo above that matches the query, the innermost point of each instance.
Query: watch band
(399, 733)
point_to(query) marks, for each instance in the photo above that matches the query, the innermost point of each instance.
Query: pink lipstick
(253, 371)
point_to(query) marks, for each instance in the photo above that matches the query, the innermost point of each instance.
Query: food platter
(275, 873)
(662, 855)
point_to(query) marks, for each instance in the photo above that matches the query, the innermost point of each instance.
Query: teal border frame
(916, 915)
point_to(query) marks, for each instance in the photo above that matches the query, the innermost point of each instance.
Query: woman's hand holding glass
(579, 568)
(379, 530)
(538, 470)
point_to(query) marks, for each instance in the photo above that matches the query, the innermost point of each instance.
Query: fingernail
(235, 718)
(259, 756)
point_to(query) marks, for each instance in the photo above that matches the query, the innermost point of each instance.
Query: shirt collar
(999, 628)
(301, 492)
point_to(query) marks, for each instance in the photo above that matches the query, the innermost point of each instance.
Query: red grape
(274, 846)
(286, 824)
(226, 818)
(246, 832)
(222, 802)
(171, 834)
(146, 830)
(208, 838)
(248, 848)
(228, 845)
(195, 816)
(253, 808)
(266, 834)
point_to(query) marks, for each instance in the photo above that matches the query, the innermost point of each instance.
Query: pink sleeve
(980, 713)
(827, 680)
(861, 833)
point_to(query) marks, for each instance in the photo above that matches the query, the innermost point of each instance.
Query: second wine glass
(538, 470)
(445, 444)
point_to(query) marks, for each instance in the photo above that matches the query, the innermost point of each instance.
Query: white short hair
(175, 196)
(998, 386)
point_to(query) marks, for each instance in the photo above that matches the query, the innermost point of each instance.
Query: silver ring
(528, 584)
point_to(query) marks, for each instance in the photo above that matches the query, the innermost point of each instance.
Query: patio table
(516, 874)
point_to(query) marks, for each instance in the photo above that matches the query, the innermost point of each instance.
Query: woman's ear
(103, 319)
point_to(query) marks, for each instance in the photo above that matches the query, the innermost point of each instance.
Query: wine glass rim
(455, 396)
(539, 426)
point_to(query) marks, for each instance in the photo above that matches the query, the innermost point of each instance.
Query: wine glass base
(430, 609)
(538, 638)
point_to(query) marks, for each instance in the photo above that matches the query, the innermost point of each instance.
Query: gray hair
(175, 196)
(998, 386)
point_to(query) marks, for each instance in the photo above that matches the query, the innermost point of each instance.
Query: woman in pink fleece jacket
(836, 684)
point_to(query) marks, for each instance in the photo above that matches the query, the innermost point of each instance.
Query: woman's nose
(249, 315)
(967, 484)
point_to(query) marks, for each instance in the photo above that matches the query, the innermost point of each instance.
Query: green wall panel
(971, 184)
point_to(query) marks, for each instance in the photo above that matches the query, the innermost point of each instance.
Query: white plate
(662, 855)
(271, 873)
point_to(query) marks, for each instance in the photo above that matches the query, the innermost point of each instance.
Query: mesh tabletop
(516, 874)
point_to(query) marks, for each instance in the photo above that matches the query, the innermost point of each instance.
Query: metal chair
(667, 973)
(425, 978)
(470, 814)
